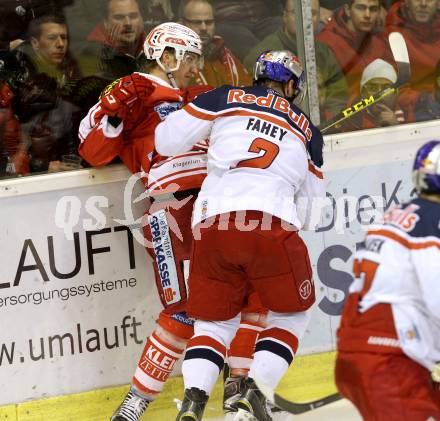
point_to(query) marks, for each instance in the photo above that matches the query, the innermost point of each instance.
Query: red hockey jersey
(133, 142)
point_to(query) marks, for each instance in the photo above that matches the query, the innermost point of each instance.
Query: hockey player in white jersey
(388, 361)
(263, 172)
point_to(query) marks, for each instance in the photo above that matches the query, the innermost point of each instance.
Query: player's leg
(274, 352)
(204, 360)
(218, 291)
(163, 348)
(286, 289)
(169, 233)
(241, 351)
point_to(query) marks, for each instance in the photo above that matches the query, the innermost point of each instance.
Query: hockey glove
(315, 146)
(118, 98)
(190, 94)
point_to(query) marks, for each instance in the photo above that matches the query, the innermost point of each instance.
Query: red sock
(155, 365)
(242, 348)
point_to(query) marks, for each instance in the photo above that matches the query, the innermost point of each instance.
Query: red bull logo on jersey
(271, 101)
(163, 251)
(406, 219)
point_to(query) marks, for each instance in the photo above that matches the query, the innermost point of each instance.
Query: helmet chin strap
(292, 98)
(172, 79)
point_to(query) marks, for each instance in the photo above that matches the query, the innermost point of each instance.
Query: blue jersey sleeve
(210, 101)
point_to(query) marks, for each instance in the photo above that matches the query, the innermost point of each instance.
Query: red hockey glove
(120, 96)
(191, 93)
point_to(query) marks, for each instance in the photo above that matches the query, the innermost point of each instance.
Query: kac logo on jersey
(166, 108)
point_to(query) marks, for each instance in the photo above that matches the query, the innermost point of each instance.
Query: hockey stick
(400, 55)
(294, 407)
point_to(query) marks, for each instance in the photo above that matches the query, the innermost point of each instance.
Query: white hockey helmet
(172, 35)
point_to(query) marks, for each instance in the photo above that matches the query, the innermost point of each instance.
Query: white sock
(268, 367)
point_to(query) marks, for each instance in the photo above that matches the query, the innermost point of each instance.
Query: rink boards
(77, 297)
(311, 377)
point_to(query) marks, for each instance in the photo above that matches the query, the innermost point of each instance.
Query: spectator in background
(49, 122)
(13, 152)
(221, 67)
(428, 103)
(376, 77)
(419, 22)
(157, 12)
(114, 47)
(328, 7)
(47, 49)
(331, 81)
(352, 37)
(10, 133)
(244, 23)
(15, 16)
(82, 16)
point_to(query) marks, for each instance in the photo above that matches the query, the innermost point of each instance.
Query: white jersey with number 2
(258, 155)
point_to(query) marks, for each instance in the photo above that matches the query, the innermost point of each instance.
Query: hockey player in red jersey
(263, 175)
(388, 361)
(122, 124)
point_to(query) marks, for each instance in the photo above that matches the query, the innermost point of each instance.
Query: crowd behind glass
(56, 57)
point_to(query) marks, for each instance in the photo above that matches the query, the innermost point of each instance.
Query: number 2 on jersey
(271, 150)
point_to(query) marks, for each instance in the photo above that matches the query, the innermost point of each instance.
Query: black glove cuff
(114, 121)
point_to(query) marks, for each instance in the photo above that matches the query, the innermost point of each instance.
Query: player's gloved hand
(190, 93)
(435, 375)
(315, 147)
(118, 99)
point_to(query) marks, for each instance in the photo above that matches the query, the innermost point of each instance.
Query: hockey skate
(252, 405)
(131, 409)
(193, 405)
(233, 388)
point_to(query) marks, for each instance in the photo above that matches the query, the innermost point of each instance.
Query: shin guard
(155, 365)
